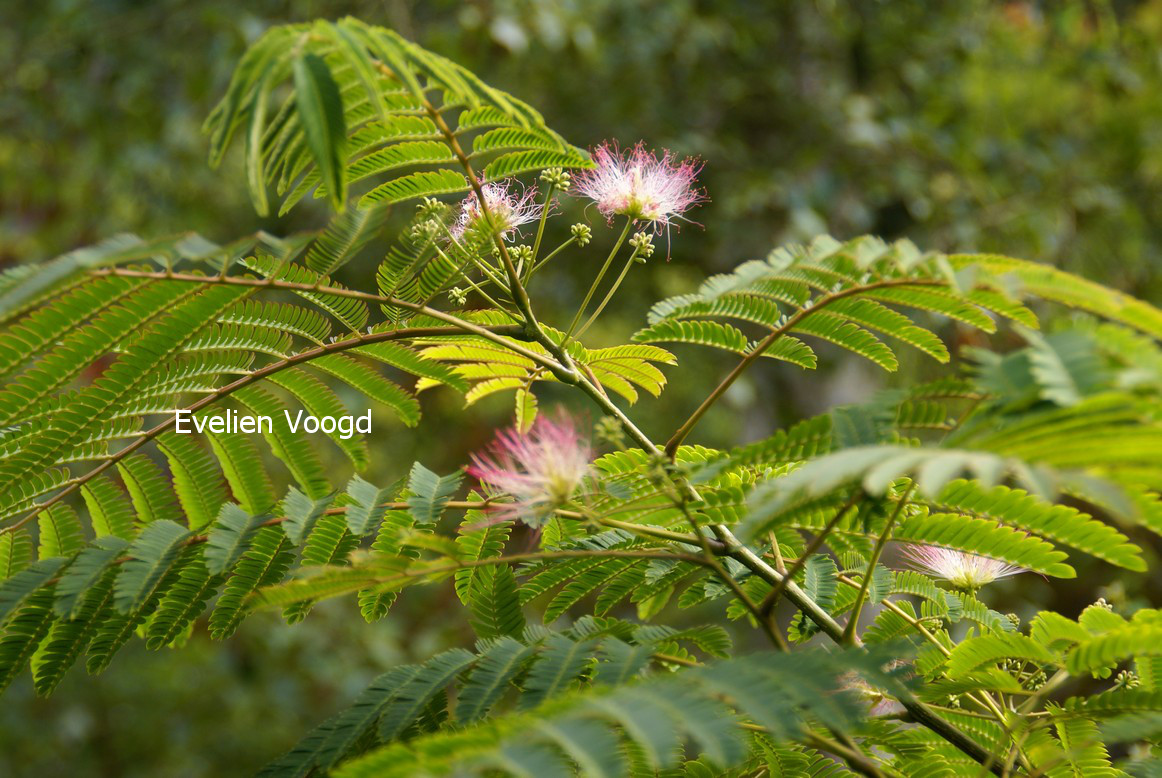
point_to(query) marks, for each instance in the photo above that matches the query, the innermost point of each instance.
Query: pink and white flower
(509, 205)
(541, 469)
(637, 184)
(961, 569)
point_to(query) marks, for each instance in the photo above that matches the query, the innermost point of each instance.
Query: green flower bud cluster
(426, 229)
(457, 295)
(521, 253)
(431, 208)
(581, 233)
(1127, 679)
(643, 246)
(557, 178)
(608, 430)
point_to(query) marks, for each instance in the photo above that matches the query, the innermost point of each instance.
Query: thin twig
(676, 439)
(877, 550)
(225, 391)
(776, 591)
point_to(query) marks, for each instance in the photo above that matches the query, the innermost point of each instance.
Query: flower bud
(609, 430)
(1036, 680)
(556, 178)
(582, 233)
(643, 246)
(426, 229)
(431, 208)
(1127, 679)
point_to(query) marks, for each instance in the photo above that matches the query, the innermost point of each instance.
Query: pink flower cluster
(637, 184)
(509, 206)
(962, 570)
(542, 469)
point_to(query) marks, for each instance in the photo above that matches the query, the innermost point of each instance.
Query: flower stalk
(597, 281)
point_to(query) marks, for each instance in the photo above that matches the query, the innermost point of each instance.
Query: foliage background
(976, 126)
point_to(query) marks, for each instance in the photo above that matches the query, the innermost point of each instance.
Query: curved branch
(401, 577)
(566, 371)
(224, 391)
(757, 565)
(764, 344)
(514, 331)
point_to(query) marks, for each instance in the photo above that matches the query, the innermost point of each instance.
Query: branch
(920, 713)
(773, 596)
(759, 349)
(873, 560)
(220, 393)
(510, 331)
(519, 295)
(532, 556)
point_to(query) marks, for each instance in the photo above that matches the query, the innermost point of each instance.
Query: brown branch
(511, 331)
(772, 597)
(218, 394)
(532, 556)
(519, 295)
(920, 713)
(676, 439)
(566, 371)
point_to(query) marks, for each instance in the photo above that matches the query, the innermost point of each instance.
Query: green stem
(662, 534)
(479, 290)
(609, 295)
(596, 282)
(740, 594)
(566, 370)
(865, 584)
(773, 596)
(487, 271)
(541, 225)
(476, 288)
(553, 253)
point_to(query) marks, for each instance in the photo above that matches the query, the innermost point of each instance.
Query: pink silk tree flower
(541, 469)
(635, 183)
(961, 569)
(509, 206)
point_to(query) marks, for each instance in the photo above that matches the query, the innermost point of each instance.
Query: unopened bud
(458, 295)
(1036, 680)
(425, 229)
(609, 430)
(643, 246)
(521, 253)
(430, 208)
(557, 178)
(582, 233)
(1127, 679)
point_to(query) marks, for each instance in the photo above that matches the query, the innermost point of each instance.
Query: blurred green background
(1024, 128)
